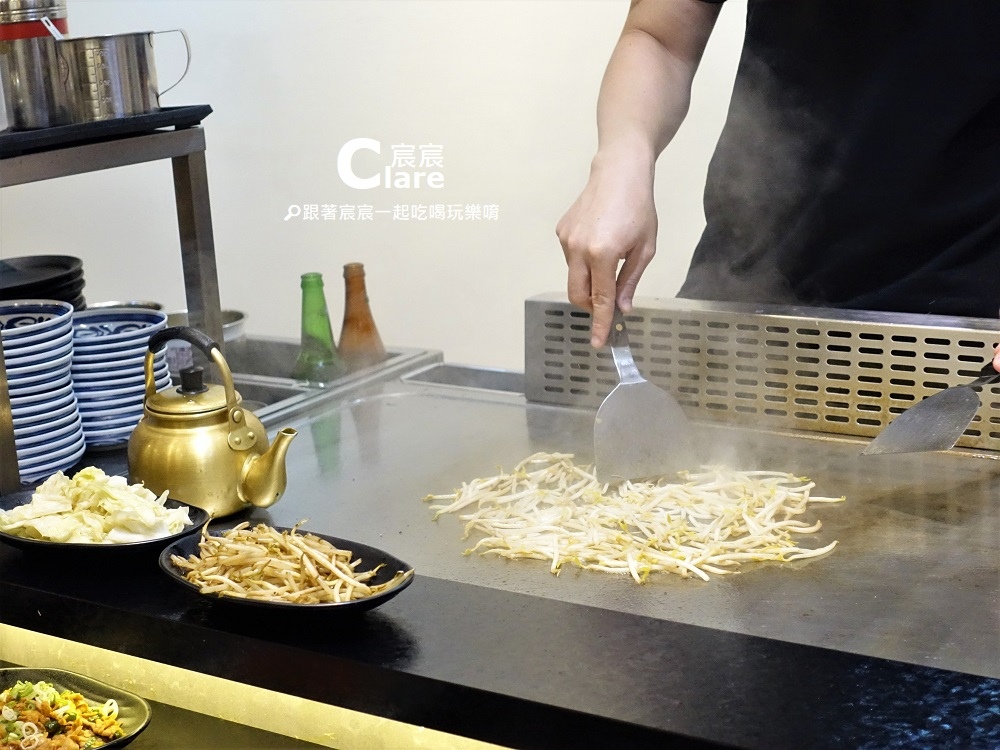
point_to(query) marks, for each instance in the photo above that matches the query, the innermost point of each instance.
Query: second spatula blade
(936, 423)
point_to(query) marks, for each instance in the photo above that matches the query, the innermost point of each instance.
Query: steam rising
(757, 188)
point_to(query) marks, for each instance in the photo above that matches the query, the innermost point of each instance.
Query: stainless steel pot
(48, 82)
(34, 84)
(34, 88)
(114, 76)
(25, 11)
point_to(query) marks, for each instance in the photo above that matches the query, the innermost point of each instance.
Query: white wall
(507, 88)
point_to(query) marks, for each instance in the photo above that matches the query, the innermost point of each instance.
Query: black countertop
(519, 670)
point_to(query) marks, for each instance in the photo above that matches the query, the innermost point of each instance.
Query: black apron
(859, 166)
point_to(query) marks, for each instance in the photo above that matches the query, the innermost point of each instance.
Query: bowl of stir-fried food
(51, 709)
(285, 569)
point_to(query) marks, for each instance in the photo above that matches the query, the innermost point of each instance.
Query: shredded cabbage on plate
(93, 508)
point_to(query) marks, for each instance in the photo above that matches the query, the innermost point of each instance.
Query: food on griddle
(265, 564)
(711, 522)
(36, 716)
(93, 508)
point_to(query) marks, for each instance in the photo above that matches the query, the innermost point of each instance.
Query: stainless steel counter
(915, 577)
(891, 639)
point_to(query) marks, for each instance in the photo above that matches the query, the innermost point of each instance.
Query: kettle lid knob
(192, 381)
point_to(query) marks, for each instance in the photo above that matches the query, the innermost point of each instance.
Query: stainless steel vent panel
(835, 371)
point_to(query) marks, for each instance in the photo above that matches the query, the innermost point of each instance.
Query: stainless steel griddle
(915, 578)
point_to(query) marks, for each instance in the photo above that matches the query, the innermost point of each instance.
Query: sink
(274, 358)
(262, 369)
(258, 394)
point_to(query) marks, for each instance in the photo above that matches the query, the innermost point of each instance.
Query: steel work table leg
(194, 220)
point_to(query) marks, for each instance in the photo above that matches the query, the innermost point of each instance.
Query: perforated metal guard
(791, 368)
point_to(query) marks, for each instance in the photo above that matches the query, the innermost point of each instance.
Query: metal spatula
(640, 431)
(937, 422)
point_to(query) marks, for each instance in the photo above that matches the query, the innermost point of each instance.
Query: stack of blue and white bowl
(37, 338)
(109, 380)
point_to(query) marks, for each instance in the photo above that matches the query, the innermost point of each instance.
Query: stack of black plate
(58, 277)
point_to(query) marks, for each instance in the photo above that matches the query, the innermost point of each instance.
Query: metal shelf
(186, 150)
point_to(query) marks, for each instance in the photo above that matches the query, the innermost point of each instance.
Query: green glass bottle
(318, 361)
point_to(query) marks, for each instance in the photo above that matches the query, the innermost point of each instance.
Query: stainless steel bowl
(144, 304)
(233, 323)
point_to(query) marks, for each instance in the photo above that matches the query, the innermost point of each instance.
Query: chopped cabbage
(93, 508)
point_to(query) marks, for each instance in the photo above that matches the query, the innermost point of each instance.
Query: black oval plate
(134, 712)
(370, 556)
(198, 518)
(32, 273)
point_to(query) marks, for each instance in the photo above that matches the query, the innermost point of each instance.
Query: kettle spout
(264, 477)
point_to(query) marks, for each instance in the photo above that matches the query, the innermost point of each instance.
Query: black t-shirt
(859, 166)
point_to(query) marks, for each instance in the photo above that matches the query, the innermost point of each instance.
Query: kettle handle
(192, 335)
(240, 436)
(197, 339)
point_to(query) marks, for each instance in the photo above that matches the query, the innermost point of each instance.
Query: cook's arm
(643, 99)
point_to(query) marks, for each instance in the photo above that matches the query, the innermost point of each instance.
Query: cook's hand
(613, 220)
(996, 359)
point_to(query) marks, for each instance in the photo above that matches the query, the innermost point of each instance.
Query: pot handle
(187, 65)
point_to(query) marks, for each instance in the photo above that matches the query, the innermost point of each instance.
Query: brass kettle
(198, 443)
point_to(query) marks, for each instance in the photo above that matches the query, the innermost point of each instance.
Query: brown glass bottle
(318, 361)
(360, 344)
